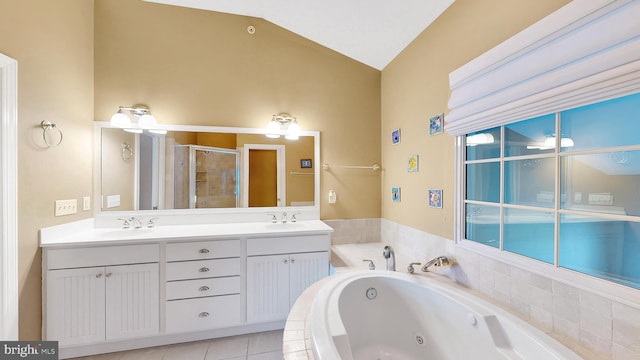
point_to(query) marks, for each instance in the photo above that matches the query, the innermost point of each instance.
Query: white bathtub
(417, 317)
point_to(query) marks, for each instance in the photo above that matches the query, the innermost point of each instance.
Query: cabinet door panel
(267, 288)
(75, 306)
(132, 306)
(305, 270)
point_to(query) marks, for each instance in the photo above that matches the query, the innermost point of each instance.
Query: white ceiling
(373, 32)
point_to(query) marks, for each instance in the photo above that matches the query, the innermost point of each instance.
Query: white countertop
(84, 233)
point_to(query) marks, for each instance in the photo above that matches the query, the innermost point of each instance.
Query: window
(562, 189)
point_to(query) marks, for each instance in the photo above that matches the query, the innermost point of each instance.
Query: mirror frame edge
(97, 177)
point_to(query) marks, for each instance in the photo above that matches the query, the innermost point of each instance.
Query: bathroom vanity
(111, 289)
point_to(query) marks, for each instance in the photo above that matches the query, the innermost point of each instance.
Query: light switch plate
(66, 207)
(113, 201)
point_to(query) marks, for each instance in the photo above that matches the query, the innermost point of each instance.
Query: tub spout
(439, 261)
(391, 258)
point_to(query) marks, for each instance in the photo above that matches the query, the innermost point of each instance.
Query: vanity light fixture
(146, 121)
(283, 124)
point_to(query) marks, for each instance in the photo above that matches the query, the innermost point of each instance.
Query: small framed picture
(412, 163)
(395, 136)
(436, 124)
(435, 198)
(306, 164)
(395, 194)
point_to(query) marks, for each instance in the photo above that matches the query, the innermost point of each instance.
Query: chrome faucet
(391, 258)
(284, 217)
(135, 222)
(439, 261)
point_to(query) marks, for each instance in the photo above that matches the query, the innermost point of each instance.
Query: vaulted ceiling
(373, 32)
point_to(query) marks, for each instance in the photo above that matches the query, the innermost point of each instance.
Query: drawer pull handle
(204, 288)
(203, 269)
(203, 314)
(204, 251)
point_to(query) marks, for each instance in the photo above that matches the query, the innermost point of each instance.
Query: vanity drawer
(203, 313)
(203, 250)
(288, 244)
(203, 287)
(202, 269)
(102, 256)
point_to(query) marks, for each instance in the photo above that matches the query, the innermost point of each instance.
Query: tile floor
(259, 346)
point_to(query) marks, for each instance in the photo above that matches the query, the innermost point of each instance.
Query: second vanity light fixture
(146, 121)
(283, 124)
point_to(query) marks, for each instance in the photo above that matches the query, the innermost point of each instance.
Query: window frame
(606, 288)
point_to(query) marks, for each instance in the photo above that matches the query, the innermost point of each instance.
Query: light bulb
(147, 121)
(120, 120)
(294, 130)
(273, 129)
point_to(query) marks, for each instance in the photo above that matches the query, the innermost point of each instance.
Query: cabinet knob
(203, 288)
(204, 251)
(293, 261)
(203, 314)
(108, 275)
(98, 276)
(203, 269)
(285, 261)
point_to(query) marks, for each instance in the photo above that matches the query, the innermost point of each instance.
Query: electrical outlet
(86, 203)
(66, 207)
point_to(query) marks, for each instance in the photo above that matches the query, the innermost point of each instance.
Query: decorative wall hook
(47, 128)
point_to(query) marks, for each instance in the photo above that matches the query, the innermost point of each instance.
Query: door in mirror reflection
(263, 178)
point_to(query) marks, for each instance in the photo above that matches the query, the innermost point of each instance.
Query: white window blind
(585, 52)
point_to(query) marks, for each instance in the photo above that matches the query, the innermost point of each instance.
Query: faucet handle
(150, 223)
(293, 216)
(410, 268)
(274, 218)
(126, 223)
(372, 266)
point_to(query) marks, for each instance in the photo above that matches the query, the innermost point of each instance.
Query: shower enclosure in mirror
(202, 167)
(205, 177)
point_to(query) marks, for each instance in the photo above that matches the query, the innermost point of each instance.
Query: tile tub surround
(594, 326)
(354, 231)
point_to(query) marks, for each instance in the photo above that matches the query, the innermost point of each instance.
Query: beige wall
(415, 87)
(203, 68)
(53, 44)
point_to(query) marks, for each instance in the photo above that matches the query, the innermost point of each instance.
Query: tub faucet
(439, 261)
(391, 258)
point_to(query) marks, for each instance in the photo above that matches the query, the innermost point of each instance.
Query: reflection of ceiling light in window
(550, 143)
(479, 139)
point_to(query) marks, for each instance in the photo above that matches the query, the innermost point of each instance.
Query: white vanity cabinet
(279, 270)
(95, 294)
(203, 288)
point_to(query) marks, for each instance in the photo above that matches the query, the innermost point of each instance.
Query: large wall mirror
(204, 167)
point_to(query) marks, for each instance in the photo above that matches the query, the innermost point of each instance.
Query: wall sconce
(283, 124)
(146, 121)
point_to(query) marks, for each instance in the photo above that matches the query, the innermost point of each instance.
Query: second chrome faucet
(390, 255)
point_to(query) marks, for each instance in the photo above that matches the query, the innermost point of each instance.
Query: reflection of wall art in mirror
(412, 163)
(306, 164)
(436, 124)
(395, 136)
(395, 194)
(435, 198)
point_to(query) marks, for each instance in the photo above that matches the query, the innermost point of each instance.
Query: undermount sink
(109, 233)
(285, 226)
